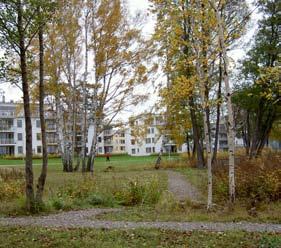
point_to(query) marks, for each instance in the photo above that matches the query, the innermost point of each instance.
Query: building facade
(12, 131)
(115, 141)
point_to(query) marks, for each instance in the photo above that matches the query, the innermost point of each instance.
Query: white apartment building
(152, 141)
(12, 131)
(115, 141)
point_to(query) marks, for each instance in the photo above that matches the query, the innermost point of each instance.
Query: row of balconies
(7, 128)
(8, 114)
(5, 141)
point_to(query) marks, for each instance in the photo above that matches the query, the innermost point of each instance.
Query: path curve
(84, 219)
(181, 188)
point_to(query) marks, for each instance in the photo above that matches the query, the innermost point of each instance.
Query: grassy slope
(40, 237)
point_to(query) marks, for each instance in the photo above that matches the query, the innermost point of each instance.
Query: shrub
(172, 164)
(97, 199)
(257, 179)
(138, 192)
(75, 190)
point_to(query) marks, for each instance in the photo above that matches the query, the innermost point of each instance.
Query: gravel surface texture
(181, 188)
(84, 219)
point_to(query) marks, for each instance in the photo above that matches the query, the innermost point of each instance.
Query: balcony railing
(51, 127)
(7, 128)
(108, 142)
(7, 114)
(7, 141)
(52, 141)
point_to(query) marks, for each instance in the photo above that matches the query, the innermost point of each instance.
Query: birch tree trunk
(60, 131)
(84, 107)
(215, 150)
(92, 153)
(207, 136)
(230, 123)
(43, 175)
(74, 112)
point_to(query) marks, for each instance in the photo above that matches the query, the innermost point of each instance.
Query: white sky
(13, 93)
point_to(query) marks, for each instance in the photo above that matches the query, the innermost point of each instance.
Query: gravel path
(84, 218)
(181, 188)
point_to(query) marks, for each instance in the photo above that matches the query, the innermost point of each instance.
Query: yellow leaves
(270, 77)
(141, 70)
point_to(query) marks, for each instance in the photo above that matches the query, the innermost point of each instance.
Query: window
(99, 139)
(148, 130)
(153, 149)
(138, 150)
(19, 123)
(133, 142)
(152, 140)
(20, 150)
(39, 149)
(122, 134)
(122, 148)
(152, 130)
(122, 141)
(100, 149)
(133, 151)
(148, 140)
(38, 123)
(148, 149)
(52, 149)
(19, 136)
(38, 136)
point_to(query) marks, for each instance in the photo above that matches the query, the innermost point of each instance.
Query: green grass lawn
(120, 162)
(42, 237)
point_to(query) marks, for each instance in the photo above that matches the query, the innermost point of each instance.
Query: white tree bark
(230, 123)
(84, 107)
(206, 134)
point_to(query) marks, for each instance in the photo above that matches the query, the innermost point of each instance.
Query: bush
(138, 192)
(98, 199)
(72, 190)
(91, 192)
(257, 179)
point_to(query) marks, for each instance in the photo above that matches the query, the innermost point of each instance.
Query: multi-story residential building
(222, 137)
(151, 141)
(12, 135)
(117, 141)
(12, 130)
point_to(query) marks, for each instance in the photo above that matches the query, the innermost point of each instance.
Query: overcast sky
(13, 93)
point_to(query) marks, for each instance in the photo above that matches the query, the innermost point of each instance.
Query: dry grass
(257, 180)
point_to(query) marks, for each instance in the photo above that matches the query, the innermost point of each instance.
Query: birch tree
(118, 52)
(63, 59)
(19, 24)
